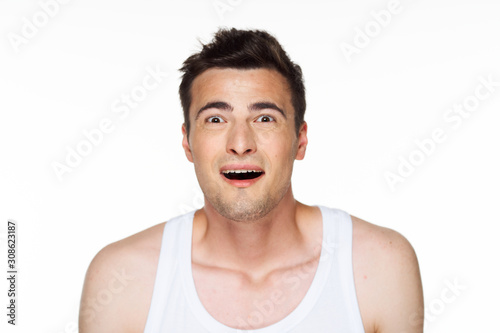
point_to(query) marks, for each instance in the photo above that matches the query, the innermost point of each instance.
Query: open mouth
(241, 174)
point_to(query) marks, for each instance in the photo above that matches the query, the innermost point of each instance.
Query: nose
(241, 140)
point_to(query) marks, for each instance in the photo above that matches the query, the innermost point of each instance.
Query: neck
(255, 246)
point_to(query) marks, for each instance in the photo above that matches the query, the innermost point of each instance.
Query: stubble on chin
(244, 209)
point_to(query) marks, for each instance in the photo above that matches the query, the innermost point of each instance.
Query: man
(253, 258)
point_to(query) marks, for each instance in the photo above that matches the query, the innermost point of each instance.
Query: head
(241, 120)
(243, 49)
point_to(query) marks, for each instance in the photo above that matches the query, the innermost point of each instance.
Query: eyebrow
(214, 105)
(266, 105)
(252, 107)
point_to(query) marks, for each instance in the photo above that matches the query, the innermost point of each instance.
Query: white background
(363, 115)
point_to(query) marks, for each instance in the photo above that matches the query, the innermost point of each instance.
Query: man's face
(242, 140)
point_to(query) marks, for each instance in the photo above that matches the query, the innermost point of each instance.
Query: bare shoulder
(387, 279)
(119, 284)
(383, 242)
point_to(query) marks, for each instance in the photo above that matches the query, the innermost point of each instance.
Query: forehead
(240, 86)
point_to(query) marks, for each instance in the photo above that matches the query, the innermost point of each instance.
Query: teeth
(239, 171)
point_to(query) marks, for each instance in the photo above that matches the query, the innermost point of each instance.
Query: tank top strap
(339, 239)
(173, 241)
(337, 231)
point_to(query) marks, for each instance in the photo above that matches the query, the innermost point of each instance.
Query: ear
(302, 142)
(185, 144)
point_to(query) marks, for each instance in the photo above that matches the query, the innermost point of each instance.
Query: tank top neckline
(287, 323)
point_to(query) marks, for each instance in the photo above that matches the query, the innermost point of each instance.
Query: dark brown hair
(243, 49)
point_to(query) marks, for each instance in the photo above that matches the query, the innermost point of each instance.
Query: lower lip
(242, 182)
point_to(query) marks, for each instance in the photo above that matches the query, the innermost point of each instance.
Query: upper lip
(249, 167)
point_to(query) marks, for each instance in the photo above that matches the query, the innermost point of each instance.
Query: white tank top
(330, 304)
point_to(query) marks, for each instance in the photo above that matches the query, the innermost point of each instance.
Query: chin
(240, 209)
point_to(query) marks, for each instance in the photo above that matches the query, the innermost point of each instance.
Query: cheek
(281, 153)
(204, 146)
(205, 151)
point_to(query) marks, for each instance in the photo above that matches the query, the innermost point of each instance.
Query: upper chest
(237, 301)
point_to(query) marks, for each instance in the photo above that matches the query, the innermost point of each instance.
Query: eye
(215, 120)
(265, 119)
